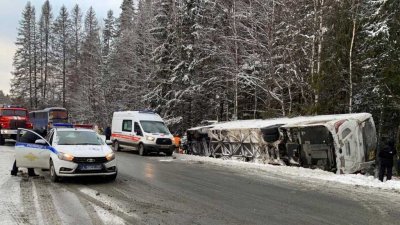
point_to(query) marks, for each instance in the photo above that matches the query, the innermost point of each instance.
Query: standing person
(2, 141)
(177, 142)
(107, 132)
(386, 160)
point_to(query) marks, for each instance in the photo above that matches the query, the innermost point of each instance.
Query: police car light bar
(65, 125)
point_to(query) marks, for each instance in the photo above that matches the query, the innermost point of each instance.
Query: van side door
(32, 150)
(127, 134)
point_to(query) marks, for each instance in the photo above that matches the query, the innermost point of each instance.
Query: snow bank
(297, 172)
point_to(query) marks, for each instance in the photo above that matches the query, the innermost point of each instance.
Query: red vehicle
(12, 118)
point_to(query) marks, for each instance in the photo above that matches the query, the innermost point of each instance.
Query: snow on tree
(61, 47)
(24, 80)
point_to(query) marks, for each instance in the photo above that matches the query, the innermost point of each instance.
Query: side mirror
(108, 142)
(40, 142)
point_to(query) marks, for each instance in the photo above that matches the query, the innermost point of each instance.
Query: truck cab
(144, 131)
(12, 118)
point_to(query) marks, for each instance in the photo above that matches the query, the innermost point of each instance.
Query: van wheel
(116, 146)
(53, 175)
(169, 153)
(142, 151)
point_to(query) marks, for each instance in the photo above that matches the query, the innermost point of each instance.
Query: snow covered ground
(297, 172)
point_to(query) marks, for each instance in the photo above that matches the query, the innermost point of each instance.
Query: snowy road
(166, 190)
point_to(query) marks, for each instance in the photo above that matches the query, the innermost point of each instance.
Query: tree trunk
(354, 4)
(235, 108)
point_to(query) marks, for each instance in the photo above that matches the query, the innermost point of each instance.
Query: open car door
(32, 150)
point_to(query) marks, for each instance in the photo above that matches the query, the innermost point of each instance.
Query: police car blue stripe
(36, 146)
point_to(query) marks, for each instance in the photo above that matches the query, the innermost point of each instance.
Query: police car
(66, 152)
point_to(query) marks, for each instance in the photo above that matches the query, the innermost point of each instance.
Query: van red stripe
(127, 137)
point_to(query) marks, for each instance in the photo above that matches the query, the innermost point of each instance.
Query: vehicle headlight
(110, 156)
(150, 138)
(65, 156)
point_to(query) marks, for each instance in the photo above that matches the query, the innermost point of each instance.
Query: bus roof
(49, 109)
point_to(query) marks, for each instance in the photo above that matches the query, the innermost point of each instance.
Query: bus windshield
(154, 127)
(13, 112)
(58, 114)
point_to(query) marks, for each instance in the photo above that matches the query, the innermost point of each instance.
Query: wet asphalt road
(164, 190)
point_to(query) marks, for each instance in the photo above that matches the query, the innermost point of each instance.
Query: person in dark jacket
(386, 160)
(107, 132)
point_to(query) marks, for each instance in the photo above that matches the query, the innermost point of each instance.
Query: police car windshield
(154, 127)
(77, 137)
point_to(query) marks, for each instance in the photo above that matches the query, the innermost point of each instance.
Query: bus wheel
(116, 146)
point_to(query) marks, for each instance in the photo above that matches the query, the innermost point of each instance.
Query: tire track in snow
(90, 196)
(29, 202)
(46, 204)
(11, 209)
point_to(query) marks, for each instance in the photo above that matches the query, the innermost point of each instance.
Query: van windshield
(154, 127)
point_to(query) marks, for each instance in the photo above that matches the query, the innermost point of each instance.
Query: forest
(195, 60)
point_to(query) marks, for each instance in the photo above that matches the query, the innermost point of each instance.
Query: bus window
(58, 114)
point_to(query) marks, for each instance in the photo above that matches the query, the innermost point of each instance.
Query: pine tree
(90, 101)
(109, 34)
(77, 35)
(45, 30)
(23, 81)
(61, 48)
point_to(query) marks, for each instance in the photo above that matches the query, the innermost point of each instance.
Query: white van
(145, 131)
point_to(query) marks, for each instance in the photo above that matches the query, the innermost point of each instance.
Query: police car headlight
(65, 156)
(150, 138)
(110, 156)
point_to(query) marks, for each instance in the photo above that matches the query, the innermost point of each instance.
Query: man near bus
(386, 155)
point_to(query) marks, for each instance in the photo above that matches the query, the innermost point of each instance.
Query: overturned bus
(344, 143)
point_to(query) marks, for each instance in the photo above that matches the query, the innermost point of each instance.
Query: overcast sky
(10, 14)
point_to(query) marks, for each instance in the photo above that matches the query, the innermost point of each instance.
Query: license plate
(90, 167)
(165, 146)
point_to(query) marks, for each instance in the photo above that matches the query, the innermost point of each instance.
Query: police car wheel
(53, 175)
(169, 153)
(142, 151)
